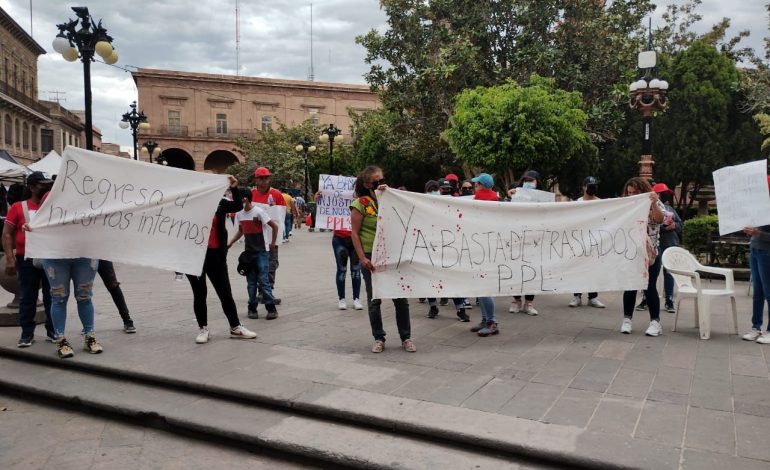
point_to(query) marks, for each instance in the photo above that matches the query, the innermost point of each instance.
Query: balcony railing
(213, 132)
(12, 92)
(174, 131)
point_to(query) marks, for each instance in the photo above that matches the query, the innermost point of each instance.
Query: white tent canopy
(49, 164)
(12, 170)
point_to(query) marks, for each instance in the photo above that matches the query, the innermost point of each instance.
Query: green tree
(508, 128)
(764, 125)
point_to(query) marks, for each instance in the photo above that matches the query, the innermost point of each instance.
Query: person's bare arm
(9, 235)
(274, 231)
(236, 237)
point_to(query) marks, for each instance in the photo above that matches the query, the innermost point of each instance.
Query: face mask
(529, 185)
(591, 189)
(467, 191)
(434, 193)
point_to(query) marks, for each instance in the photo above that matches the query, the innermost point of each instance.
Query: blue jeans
(344, 250)
(258, 279)
(759, 262)
(287, 225)
(487, 305)
(81, 273)
(30, 279)
(668, 280)
(651, 293)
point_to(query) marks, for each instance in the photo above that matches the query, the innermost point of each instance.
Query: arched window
(8, 130)
(33, 135)
(25, 136)
(17, 134)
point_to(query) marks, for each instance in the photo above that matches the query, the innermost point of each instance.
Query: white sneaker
(576, 301)
(357, 304)
(343, 305)
(764, 339)
(530, 309)
(515, 307)
(203, 336)
(241, 332)
(654, 329)
(595, 302)
(752, 335)
(627, 326)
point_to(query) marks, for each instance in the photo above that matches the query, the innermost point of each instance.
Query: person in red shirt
(263, 193)
(488, 325)
(29, 277)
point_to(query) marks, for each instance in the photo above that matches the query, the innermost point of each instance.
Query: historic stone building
(21, 116)
(195, 117)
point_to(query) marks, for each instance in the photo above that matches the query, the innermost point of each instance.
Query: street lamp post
(152, 148)
(306, 146)
(329, 134)
(648, 94)
(72, 43)
(135, 120)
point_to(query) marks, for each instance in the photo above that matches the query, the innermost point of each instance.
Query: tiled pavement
(708, 399)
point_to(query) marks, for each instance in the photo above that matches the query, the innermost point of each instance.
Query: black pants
(215, 267)
(591, 295)
(30, 281)
(375, 313)
(107, 273)
(528, 298)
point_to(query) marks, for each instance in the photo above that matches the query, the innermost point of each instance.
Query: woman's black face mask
(466, 190)
(592, 189)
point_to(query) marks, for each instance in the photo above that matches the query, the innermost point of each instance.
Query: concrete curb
(546, 452)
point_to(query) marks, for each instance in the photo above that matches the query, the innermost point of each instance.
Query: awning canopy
(49, 164)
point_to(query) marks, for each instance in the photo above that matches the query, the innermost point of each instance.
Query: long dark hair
(531, 174)
(366, 173)
(638, 183)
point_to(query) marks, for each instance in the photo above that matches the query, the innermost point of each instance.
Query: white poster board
(333, 206)
(742, 196)
(277, 214)
(452, 247)
(533, 195)
(122, 210)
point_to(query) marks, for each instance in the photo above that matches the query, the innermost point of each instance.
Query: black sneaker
(25, 342)
(433, 312)
(272, 314)
(462, 316)
(421, 300)
(642, 305)
(443, 302)
(478, 327)
(670, 306)
(253, 314)
(128, 326)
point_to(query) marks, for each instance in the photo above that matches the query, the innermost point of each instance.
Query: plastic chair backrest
(681, 260)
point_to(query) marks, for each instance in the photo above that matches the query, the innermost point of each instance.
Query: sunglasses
(377, 183)
(467, 187)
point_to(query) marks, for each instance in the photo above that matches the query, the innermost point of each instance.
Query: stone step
(325, 441)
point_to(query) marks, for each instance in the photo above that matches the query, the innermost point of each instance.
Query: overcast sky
(199, 36)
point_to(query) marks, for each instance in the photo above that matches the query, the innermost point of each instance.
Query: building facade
(196, 117)
(21, 115)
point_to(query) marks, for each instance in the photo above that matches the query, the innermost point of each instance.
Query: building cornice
(18, 32)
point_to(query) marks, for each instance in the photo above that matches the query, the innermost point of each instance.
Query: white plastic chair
(684, 268)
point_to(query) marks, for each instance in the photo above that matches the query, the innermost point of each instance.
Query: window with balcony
(267, 123)
(25, 136)
(221, 124)
(174, 121)
(46, 140)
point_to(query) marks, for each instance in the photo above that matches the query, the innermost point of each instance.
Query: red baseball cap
(452, 177)
(661, 188)
(261, 172)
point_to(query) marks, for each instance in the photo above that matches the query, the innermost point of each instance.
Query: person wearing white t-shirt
(251, 222)
(590, 188)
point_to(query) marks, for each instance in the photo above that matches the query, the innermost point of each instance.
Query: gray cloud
(199, 35)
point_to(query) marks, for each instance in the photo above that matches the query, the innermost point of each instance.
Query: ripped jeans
(81, 273)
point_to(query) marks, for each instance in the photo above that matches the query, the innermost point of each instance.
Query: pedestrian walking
(590, 190)
(363, 218)
(251, 222)
(215, 268)
(633, 187)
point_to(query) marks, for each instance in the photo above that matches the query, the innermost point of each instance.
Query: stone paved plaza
(692, 403)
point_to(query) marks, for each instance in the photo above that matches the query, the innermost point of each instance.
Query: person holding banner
(530, 180)
(215, 267)
(759, 262)
(590, 188)
(488, 325)
(363, 219)
(263, 193)
(633, 187)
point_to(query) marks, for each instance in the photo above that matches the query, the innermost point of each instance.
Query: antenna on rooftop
(56, 96)
(237, 38)
(311, 75)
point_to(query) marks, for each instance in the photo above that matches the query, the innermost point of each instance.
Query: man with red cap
(263, 193)
(454, 181)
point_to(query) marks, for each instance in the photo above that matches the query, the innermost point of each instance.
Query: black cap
(590, 180)
(38, 177)
(531, 174)
(444, 183)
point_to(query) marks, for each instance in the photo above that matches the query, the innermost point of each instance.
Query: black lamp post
(306, 146)
(135, 120)
(150, 147)
(73, 43)
(329, 134)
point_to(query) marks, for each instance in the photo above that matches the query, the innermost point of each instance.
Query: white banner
(533, 195)
(127, 211)
(742, 196)
(429, 246)
(333, 207)
(278, 215)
